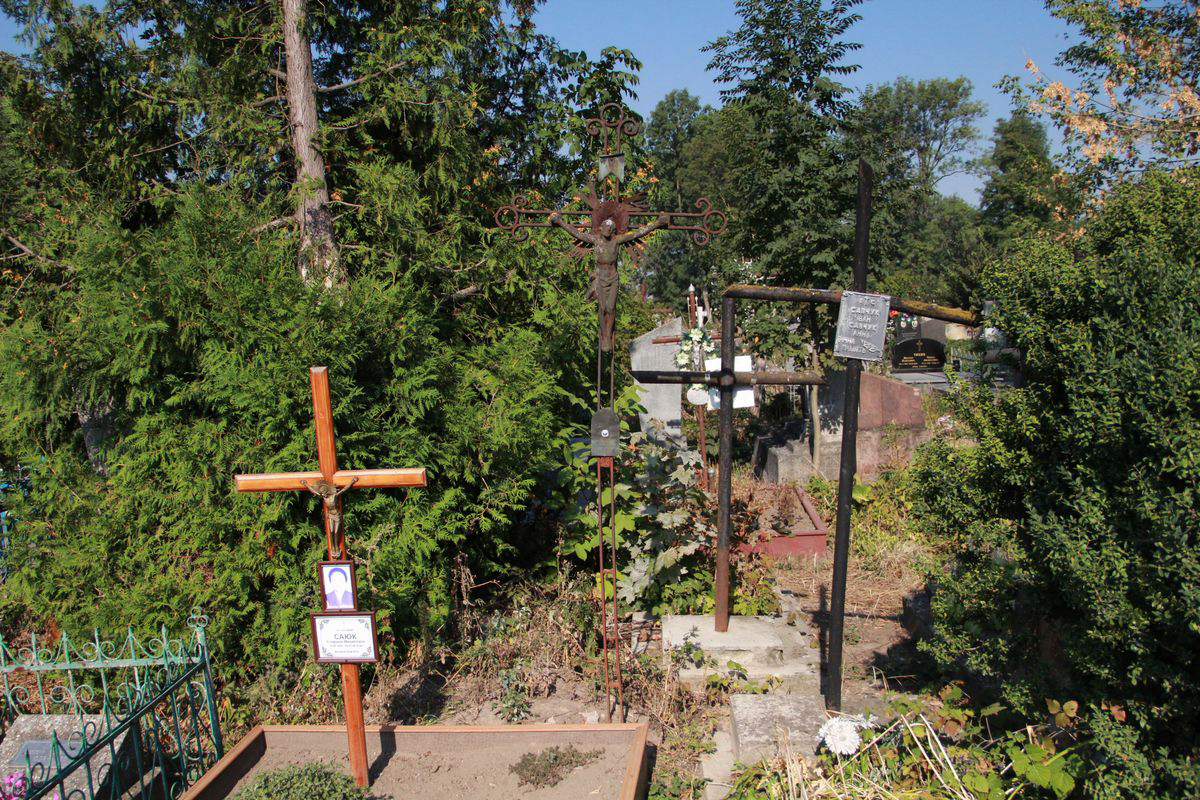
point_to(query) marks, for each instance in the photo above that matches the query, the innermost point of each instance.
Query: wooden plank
(274, 482)
(636, 765)
(323, 414)
(367, 479)
(381, 478)
(221, 777)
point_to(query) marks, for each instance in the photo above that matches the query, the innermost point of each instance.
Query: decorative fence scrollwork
(147, 724)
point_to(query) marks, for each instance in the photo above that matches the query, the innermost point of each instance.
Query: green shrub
(666, 527)
(204, 355)
(1073, 522)
(307, 781)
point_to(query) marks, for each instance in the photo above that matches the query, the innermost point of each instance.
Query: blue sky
(981, 39)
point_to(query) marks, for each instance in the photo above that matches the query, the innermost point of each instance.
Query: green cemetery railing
(146, 711)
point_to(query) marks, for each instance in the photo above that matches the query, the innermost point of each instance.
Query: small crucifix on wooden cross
(330, 483)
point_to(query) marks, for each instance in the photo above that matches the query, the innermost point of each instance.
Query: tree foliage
(1022, 192)
(929, 121)
(1072, 519)
(157, 337)
(1137, 98)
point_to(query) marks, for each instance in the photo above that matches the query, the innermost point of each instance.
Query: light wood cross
(329, 483)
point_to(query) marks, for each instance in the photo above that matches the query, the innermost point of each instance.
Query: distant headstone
(662, 401)
(918, 355)
(33, 735)
(862, 326)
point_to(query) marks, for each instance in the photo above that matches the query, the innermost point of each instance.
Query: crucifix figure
(330, 483)
(609, 222)
(605, 283)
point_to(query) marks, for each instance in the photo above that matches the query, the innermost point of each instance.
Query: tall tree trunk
(318, 250)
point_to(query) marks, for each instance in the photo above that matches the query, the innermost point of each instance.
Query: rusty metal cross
(607, 223)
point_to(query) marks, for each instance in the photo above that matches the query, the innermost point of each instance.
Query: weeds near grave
(513, 705)
(934, 746)
(886, 537)
(666, 529)
(735, 680)
(543, 637)
(310, 781)
(721, 682)
(550, 766)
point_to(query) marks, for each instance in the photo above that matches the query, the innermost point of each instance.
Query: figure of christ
(605, 282)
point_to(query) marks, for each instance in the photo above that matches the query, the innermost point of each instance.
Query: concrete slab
(749, 640)
(717, 767)
(761, 721)
(796, 676)
(28, 741)
(663, 401)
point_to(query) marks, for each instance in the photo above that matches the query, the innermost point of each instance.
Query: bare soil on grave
(880, 654)
(481, 771)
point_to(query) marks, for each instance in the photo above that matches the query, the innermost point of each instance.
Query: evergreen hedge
(1073, 522)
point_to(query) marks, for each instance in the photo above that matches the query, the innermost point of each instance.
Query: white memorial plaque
(862, 326)
(346, 638)
(743, 396)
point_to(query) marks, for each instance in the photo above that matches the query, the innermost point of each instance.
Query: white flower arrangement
(694, 347)
(840, 734)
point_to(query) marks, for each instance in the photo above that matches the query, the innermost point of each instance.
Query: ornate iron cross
(604, 227)
(606, 224)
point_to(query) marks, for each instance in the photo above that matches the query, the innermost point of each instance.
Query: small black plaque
(40, 751)
(606, 434)
(918, 355)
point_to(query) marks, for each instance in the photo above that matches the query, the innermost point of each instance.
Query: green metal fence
(145, 715)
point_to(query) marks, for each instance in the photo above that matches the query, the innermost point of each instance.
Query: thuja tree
(157, 332)
(1072, 519)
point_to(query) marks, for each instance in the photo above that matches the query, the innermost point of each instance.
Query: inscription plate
(346, 638)
(918, 355)
(39, 751)
(862, 326)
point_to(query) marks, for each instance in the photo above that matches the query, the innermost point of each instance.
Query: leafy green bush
(307, 781)
(204, 356)
(1073, 522)
(666, 527)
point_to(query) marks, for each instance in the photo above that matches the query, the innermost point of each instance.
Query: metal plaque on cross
(862, 326)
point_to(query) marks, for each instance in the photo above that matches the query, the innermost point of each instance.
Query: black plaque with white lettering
(918, 355)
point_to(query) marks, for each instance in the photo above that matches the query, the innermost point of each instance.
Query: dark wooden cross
(329, 483)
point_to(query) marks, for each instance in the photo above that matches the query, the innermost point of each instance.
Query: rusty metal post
(848, 467)
(725, 465)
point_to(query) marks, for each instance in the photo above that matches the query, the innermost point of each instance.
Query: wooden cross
(329, 483)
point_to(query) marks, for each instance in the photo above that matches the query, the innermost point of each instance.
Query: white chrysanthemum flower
(840, 734)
